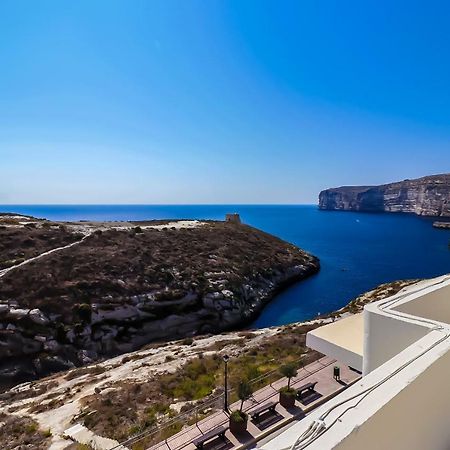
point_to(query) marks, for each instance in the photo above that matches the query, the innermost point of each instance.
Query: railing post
(225, 398)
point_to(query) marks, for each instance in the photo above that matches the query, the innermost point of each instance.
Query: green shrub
(238, 416)
(196, 379)
(31, 428)
(289, 371)
(135, 429)
(244, 392)
(288, 391)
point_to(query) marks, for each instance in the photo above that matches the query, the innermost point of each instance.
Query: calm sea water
(357, 250)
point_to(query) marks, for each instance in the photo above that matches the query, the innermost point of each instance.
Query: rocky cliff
(427, 196)
(72, 293)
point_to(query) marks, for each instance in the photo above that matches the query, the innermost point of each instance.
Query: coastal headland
(72, 293)
(426, 196)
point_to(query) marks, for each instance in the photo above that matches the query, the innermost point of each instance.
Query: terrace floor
(320, 371)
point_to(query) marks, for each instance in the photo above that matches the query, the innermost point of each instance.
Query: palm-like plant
(238, 418)
(244, 392)
(289, 371)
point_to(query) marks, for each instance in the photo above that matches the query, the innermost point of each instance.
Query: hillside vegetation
(122, 285)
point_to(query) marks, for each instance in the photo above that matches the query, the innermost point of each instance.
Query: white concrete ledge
(341, 340)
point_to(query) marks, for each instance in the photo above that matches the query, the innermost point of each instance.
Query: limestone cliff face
(427, 196)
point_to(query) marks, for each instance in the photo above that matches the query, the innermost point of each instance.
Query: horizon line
(156, 204)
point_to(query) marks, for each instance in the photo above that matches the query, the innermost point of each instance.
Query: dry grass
(22, 432)
(197, 381)
(24, 242)
(380, 292)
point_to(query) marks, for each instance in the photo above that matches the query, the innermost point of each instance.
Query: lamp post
(225, 394)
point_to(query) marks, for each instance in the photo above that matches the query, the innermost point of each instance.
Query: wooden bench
(306, 387)
(216, 432)
(255, 413)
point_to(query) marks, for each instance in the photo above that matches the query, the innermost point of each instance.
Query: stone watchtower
(233, 218)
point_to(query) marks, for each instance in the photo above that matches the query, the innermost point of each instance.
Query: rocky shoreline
(442, 225)
(118, 286)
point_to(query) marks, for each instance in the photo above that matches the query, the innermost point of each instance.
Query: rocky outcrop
(427, 196)
(119, 289)
(442, 225)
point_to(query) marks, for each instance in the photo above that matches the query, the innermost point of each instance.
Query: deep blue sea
(357, 250)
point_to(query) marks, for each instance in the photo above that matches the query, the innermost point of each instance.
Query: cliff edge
(426, 196)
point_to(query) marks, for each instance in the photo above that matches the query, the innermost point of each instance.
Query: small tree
(244, 392)
(238, 418)
(289, 371)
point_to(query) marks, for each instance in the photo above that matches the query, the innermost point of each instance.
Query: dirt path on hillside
(3, 272)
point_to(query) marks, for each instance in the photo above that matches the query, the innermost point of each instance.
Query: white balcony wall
(416, 418)
(385, 336)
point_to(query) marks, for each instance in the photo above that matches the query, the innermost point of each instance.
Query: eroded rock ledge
(427, 196)
(128, 284)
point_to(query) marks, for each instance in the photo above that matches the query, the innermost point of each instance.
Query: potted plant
(238, 418)
(288, 394)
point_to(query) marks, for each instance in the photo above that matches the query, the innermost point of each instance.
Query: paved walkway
(320, 371)
(79, 433)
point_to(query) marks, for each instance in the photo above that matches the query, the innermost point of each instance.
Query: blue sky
(219, 101)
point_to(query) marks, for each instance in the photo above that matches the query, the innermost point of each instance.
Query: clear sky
(219, 101)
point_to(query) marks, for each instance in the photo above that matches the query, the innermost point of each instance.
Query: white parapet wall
(403, 400)
(386, 336)
(416, 417)
(393, 324)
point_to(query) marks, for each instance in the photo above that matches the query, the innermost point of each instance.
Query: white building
(402, 346)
